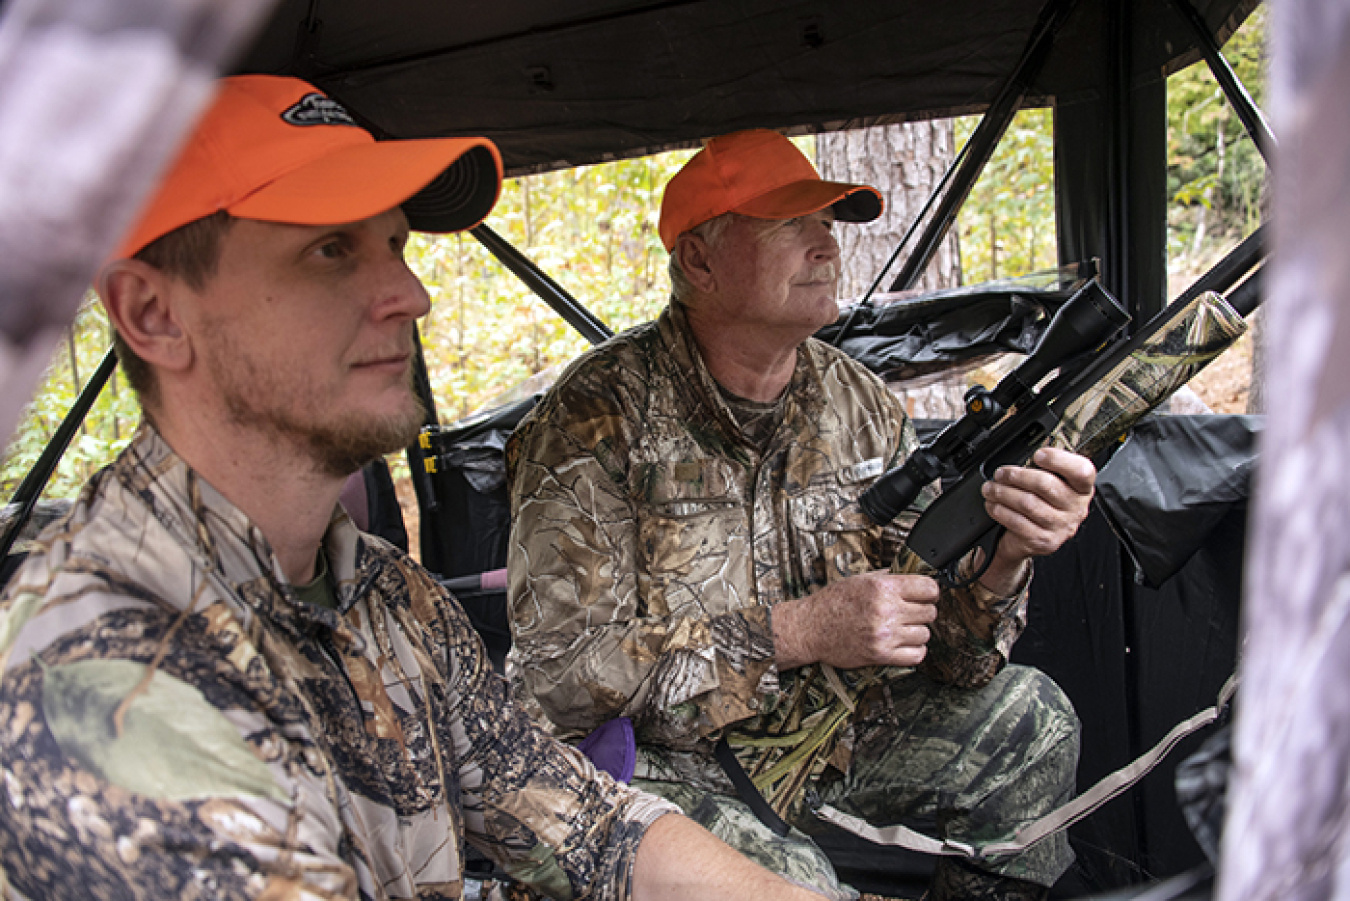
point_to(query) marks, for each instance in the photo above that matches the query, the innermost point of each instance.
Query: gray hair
(711, 232)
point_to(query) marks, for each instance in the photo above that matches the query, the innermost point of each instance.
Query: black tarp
(905, 337)
(1176, 479)
(560, 84)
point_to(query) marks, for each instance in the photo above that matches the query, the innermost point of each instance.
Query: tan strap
(1057, 819)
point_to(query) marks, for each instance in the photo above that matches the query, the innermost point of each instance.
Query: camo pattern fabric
(651, 542)
(794, 856)
(941, 754)
(1206, 328)
(178, 725)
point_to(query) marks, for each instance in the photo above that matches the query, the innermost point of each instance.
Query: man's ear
(141, 302)
(696, 262)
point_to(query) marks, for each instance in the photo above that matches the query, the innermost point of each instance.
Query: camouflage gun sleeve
(590, 641)
(1141, 381)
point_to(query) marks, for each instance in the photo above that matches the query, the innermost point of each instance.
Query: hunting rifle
(1106, 381)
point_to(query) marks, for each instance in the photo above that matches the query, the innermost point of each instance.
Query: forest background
(488, 339)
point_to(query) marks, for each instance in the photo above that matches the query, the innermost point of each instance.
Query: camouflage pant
(971, 765)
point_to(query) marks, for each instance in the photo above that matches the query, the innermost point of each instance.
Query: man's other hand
(872, 618)
(1041, 506)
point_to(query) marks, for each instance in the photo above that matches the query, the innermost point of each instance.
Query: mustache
(825, 272)
(402, 348)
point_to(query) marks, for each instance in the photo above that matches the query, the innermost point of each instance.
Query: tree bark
(1289, 802)
(905, 162)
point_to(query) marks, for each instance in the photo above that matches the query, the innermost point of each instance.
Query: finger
(913, 613)
(911, 637)
(919, 589)
(906, 656)
(1041, 511)
(1076, 470)
(1030, 537)
(1018, 525)
(1042, 483)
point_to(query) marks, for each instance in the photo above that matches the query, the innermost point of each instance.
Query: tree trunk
(905, 162)
(118, 85)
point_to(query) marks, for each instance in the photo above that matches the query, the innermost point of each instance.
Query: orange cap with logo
(277, 149)
(757, 173)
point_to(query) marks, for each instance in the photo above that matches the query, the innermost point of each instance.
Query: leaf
(174, 744)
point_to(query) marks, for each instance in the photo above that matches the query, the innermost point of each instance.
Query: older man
(212, 685)
(688, 554)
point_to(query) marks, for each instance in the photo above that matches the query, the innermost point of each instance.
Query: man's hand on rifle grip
(1041, 506)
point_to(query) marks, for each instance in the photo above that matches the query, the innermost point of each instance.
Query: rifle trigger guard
(949, 575)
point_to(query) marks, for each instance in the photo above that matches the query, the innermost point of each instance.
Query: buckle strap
(1052, 822)
(746, 789)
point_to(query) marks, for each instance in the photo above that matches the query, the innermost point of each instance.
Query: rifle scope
(1083, 323)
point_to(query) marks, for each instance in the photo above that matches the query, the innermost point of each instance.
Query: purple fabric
(355, 501)
(612, 748)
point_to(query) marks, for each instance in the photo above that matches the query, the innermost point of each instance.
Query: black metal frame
(985, 140)
(30, 489)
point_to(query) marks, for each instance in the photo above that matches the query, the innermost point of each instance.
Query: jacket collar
(805, 400)
(221, 540)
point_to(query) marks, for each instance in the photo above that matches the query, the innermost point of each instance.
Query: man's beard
(343, 447)
(339, 444)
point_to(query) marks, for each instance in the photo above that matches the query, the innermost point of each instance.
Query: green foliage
(105, 431)
(1007, 225)
(1216, 178)
(593, 230)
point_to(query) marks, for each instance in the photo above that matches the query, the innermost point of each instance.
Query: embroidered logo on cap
(316, 109)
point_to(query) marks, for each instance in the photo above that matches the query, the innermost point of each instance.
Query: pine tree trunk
(904, 162)
(1289, 800)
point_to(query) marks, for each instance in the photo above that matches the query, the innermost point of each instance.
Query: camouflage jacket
(650, 542)
(178, 725)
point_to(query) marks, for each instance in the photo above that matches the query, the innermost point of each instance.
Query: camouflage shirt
(651, 541)
(177, 725)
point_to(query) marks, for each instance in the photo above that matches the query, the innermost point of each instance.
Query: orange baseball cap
(277, 149)
(756, 173)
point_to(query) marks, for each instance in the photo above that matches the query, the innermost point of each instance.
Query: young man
(212, 685)
(688, 552)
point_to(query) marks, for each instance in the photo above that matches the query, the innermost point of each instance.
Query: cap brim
(443, 184)
(851, 203)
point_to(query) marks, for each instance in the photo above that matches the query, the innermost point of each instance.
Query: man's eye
(332, 250)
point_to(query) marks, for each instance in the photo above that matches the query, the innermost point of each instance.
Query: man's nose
(826, 246)
(402, 293)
